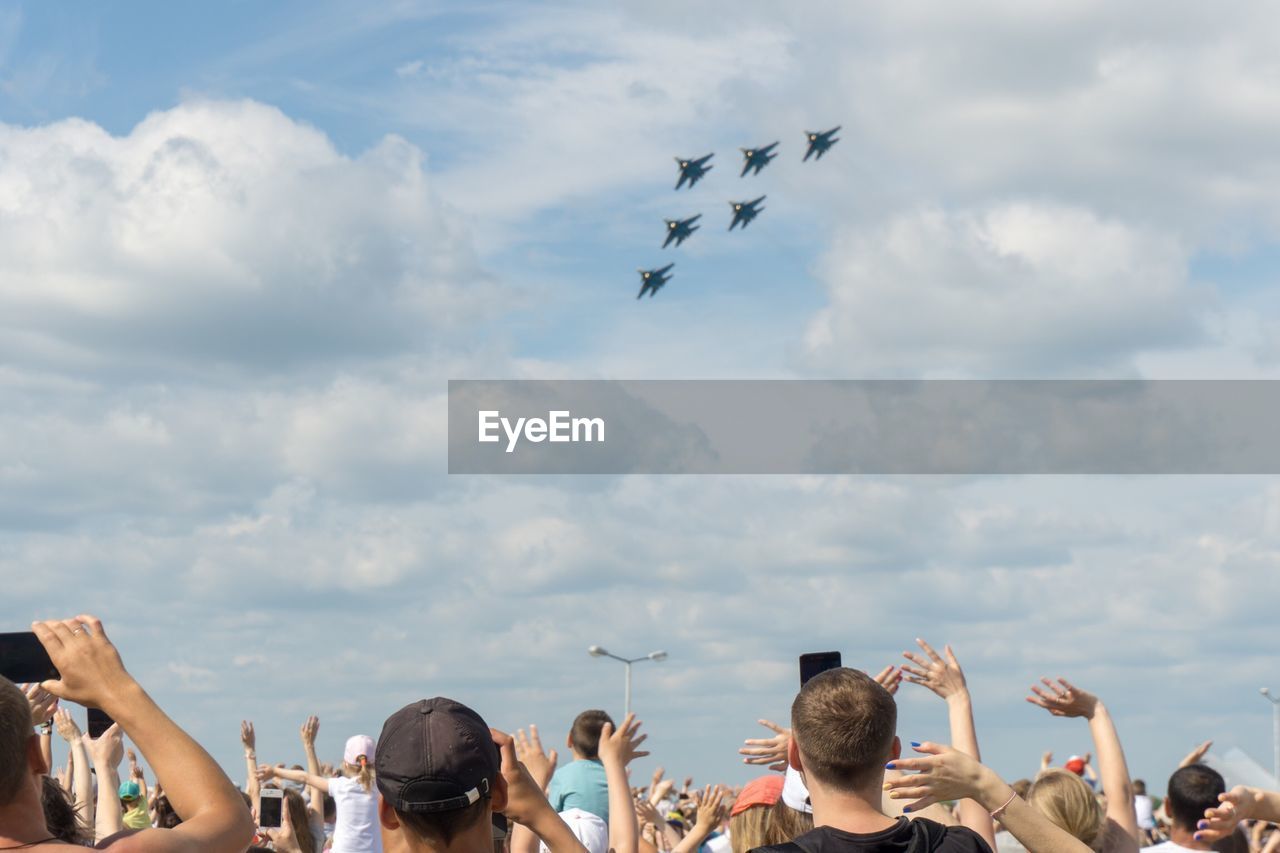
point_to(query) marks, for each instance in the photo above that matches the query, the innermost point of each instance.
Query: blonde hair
(1069, 803)
(764, 826)
(362, 772)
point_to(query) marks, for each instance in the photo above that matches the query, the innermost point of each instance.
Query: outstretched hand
(943, 676)
(711, 805)
(43, 703)
(620, 745)
(1234, 806)
(541, 765)
(944, 774)
(66, 725)
(771, 751)
(1195, 755)
(92, 673)
(310, 728)
(108, 750)
(1063, 699)
(525, 799)
(890, 678)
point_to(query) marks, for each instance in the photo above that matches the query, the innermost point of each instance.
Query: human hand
(890, 678)
(247, 737)
(92, 673)
(42, 702)
(945, 774)
(1064, 699)
(647, 812)
(688, 783)
(620, 746)
(711, 807)
(661, 791)
(541, 765)
(771, 751)
(1240, 803)
(525, 801)
(265, 772)
(106, 751)
(1195, 755)
(943, 677)
(284, 839)
(66, 725)
(310, 728)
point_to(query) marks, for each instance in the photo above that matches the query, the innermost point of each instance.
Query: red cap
(764, 791)
(1076, 766)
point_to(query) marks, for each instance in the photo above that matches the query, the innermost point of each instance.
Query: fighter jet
(756, 158)
(820, 142)
(652, 280)
(679, 229)
(692, 170)
(744, 212)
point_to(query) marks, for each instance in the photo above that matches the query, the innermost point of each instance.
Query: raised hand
(247, 736)
(525, 800)
(771, 751)
(662, 790)
(1063, 699)
(620, 745)
(108, 750)
(66, 725)
(541, 765)
(1195, 755)
(265, 772)
(945, 774)
(92, 673)
(943, 676)
(890, 678)
(43, 703)
(309, 730)
(1240, 803)
(710, 806)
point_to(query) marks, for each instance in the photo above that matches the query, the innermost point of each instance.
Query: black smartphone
(23, 659)
(270, 808)
(99, 722)
(815, 662)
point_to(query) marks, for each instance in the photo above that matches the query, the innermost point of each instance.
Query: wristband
(995, 814)
(46, 727)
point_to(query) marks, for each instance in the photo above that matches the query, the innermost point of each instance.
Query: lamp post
(599, 652)
(1275, 728)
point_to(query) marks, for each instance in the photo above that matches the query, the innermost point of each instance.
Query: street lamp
(600, 652)
(1275, 727)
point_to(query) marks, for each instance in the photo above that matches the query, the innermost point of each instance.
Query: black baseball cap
(435, 755)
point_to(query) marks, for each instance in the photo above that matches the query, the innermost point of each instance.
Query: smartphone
(815, 662)
(99, 722)
(270, 808)
(23, 659)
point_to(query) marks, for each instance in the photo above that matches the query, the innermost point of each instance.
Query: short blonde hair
(1069, 803)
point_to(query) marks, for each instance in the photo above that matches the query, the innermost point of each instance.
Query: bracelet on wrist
(995, 815)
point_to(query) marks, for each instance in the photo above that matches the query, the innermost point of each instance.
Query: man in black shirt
(843, 733)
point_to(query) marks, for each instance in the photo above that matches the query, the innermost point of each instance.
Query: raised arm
(106, 752)
(1063, 699)
(214, 816)
(541, 767)
(527, 805)
(302, 777)
(946, 679)
(136, 774)
(249, 740)
(309, 730)
(43, 704)
(617, 750)
(81, 777)
(710, 813)
(947, 774)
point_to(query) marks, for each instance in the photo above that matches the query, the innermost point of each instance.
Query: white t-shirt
(1170, 847)
(356, 828)
(1146, 811)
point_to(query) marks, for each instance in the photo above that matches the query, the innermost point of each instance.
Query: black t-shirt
(906, 836)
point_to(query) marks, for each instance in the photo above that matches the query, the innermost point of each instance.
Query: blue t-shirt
(580, 785)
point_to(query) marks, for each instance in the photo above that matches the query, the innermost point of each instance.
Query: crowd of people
(438, 778)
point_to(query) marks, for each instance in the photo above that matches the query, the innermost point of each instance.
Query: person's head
(130, 794)
(1139, 788)
(59, 814)
(584, 737)
(1192, 789)
(166, 817)
(1020, 787)
(357, 756)
(1068, 802)
(330, 809)
(297, 809)
(21, 763)
(760, 817)
(843, 731)
(438, 771)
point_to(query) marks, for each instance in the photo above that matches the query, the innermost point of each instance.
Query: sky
(244, 246)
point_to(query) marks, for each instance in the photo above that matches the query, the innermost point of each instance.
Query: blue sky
(243, 247)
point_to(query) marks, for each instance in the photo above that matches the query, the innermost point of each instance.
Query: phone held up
(23, 659)
(815, 662)
(270, 808)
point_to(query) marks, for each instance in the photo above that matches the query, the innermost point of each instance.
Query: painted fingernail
(906, 809)
(1197, 837)
(1202, 824)
(889, 766)
(915, 743)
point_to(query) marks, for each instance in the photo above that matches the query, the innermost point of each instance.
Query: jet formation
(694, 169)
(652, 280)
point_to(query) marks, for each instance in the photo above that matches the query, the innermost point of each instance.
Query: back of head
(585, 734)
(1068, 802)
(1193, 789)
(15, 731)
(844, 725)
(437, 766)
(1139, 788)
(59, 814)
(298, 818)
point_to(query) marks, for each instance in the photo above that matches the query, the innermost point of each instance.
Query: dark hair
(844, 724)
(166, 817)
(59, 815)
(1139, 787)
(330, 807)
(301, 825)
(585, 734)
(443, 827)
(1193, 789)
(15, 731)
(1020, 787)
